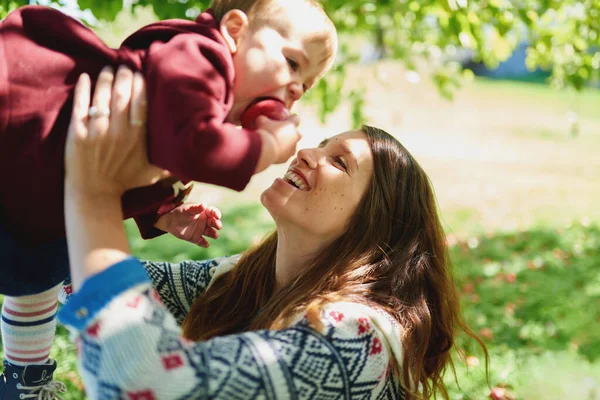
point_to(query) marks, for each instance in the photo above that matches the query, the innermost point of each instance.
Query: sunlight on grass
(533, 296)
(586, 102)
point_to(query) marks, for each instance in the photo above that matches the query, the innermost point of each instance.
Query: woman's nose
(308, 158)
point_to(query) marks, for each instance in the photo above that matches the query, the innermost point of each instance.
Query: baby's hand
(191, 222)
(279, 140)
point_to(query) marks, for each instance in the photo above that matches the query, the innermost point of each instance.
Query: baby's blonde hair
(261, 12)
(250, 7)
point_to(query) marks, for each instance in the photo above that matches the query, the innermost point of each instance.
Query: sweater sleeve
(179, 284)
(133, 348)
(189, 81)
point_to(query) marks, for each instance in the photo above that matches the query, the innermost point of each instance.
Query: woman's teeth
(295, 180)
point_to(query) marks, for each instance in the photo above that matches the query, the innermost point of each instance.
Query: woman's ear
(233, 26)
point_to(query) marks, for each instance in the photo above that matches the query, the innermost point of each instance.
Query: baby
(203, 78)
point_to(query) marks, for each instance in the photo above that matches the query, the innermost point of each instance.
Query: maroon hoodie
(189, 75)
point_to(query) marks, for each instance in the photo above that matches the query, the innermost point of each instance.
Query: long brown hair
(392, 256)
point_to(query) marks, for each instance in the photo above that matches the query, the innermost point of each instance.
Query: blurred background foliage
(428, 36)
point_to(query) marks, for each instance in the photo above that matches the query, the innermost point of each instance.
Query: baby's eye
(293, 64)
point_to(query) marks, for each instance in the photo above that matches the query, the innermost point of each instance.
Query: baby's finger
(261, 121)
(203, 243)
(215, 223)
(213, 212)
(195, 208)
(211, 233)
(295, 119)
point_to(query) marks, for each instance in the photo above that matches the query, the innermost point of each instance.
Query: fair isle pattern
(133, 349)
(179, 284)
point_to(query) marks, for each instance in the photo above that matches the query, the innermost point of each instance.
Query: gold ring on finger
(136, 122)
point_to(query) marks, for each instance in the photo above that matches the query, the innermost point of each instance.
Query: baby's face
(282, 58)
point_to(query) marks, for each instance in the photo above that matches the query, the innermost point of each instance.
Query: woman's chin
(275, 195)
(271, 198)
(274, 203)
(268, 200)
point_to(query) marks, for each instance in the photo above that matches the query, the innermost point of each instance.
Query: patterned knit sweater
(126, 322)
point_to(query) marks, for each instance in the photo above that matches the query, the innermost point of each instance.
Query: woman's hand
(106, 151)
(105, 155)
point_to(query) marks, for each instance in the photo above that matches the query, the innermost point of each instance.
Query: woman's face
(322, 187)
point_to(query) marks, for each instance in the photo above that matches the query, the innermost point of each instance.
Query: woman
(351, 297)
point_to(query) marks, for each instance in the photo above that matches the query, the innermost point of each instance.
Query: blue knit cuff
(98, 290)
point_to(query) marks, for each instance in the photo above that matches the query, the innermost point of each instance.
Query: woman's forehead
(356, 139)
(354, 142)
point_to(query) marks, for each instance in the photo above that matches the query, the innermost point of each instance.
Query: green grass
(535, 297)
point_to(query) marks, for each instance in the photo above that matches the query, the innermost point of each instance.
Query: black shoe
(31, 382)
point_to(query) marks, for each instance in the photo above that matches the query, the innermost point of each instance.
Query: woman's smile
(296, 179)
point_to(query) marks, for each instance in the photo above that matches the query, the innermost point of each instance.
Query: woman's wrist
(95, 233)
(92, 193)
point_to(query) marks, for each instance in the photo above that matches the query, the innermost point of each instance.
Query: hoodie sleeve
(189, 82)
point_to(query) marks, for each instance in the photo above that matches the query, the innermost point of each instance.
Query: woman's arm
(101, 163)
(133, 348)
(177, 284)
(97, 238)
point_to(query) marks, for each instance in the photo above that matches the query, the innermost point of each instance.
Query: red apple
(271, 108)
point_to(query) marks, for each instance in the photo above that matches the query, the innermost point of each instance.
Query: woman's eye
(293, 64)
(340, 161)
